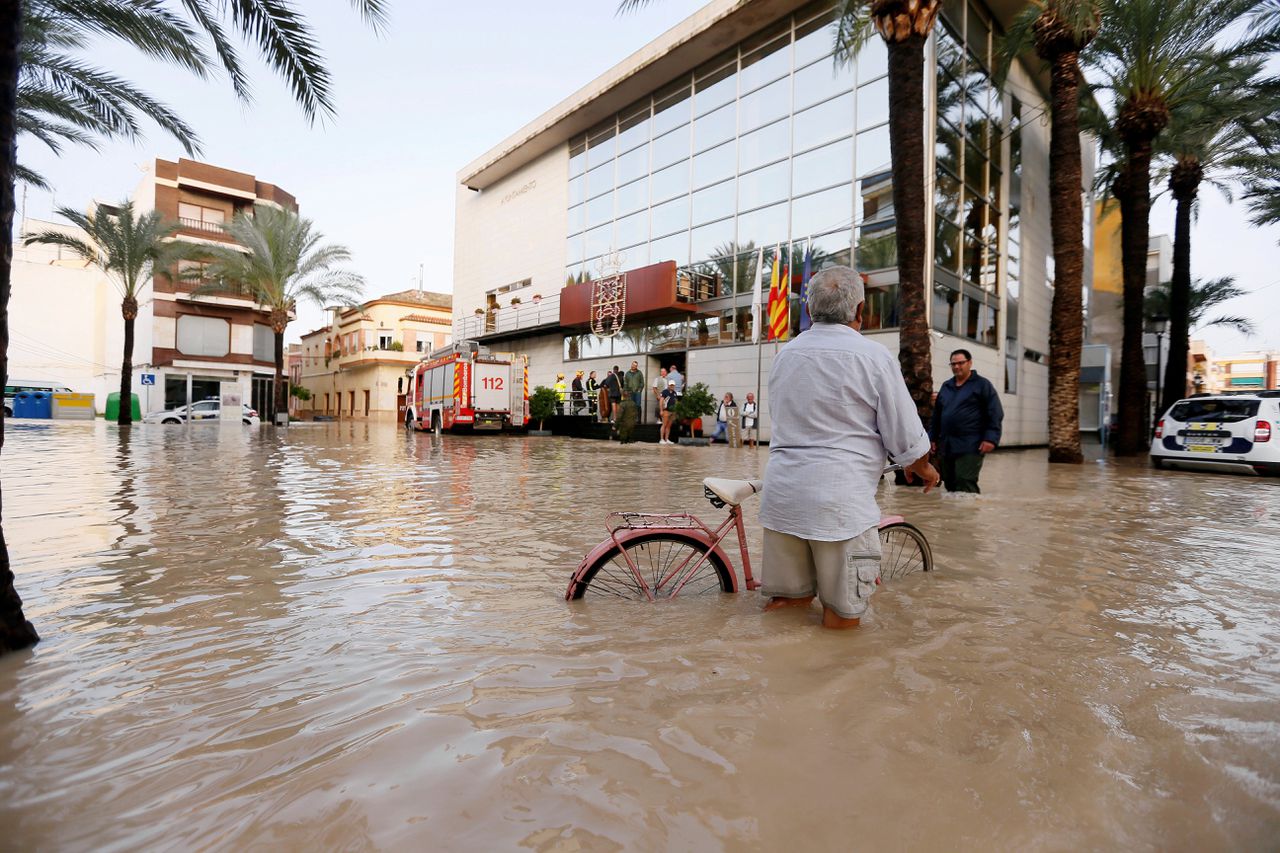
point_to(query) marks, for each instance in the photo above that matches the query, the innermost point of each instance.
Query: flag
(805, 321)
(779, 308)
(757, 298)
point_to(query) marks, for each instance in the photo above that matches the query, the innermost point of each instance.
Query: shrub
(396, 346)
(300, 392)
(696, 402)
(543, 403)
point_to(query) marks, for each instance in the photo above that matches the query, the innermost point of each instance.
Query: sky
(445, 83)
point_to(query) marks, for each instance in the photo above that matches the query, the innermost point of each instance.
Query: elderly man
(839, 407)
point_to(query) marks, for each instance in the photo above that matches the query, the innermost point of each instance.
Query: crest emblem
(609, 297)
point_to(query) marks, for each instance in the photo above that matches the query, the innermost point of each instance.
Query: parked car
(1237, 432)
(16, 385)
(205, 410)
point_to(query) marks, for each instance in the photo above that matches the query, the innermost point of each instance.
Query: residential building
(736, 132)
(210, 344)
(355, 367)
(1105, 322)
(1249, 371)
(293, 367)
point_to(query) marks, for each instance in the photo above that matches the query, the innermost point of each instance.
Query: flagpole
(756, 316)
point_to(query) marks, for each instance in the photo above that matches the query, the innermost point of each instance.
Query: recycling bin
(112, 414)
(32, 404)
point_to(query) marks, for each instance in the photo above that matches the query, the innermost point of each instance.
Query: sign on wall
(608, 305)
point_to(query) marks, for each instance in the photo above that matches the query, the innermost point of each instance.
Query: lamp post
(1159, 325)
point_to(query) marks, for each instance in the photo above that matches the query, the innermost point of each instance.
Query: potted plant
(696, 402)
(537, 298)
(703, 332)
(515, 300)
(542, 405)
(479, 312)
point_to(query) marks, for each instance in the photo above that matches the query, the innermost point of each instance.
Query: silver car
(204, 411)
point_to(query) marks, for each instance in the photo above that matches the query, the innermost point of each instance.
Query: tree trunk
(281, 386)
(15, 631)
(906, 145)
(1135, 213)
(129, 309)
(1066, 219)
(1184, 183)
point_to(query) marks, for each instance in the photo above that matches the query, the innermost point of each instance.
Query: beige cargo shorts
(842, 574)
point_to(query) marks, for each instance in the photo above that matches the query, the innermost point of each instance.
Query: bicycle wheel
(655, 555)
(903, 550)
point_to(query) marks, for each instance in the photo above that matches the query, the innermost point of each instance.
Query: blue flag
(805, 321)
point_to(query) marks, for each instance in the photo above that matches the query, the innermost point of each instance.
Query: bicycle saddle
(731, 492)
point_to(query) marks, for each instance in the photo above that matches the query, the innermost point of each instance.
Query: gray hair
(835, 294)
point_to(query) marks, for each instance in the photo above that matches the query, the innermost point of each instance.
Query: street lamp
(1159, 325)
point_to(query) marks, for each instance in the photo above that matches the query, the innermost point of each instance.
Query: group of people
(733, 420)
(602, 397)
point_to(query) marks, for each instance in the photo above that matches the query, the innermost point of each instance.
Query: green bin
(113, 407)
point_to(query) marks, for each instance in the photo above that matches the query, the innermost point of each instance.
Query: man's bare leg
(831, 619)
(778, 602)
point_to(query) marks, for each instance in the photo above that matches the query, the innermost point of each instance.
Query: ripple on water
(343, 636)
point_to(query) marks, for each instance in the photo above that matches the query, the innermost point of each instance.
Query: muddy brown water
(346, 637)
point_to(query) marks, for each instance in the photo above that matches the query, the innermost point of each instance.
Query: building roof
(417, 297)
(423, 318)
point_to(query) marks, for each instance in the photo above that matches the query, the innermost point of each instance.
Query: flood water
(348, 637)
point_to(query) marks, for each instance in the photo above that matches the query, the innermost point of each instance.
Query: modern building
(356, 366)
(214, 344)
(736, 134)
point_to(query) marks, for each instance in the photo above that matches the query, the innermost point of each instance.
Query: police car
(1234, 432)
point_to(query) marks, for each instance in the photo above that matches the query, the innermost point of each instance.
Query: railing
(510, 318)
(201, 225)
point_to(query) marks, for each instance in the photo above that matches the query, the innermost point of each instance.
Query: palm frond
(854, 28)
(30, 177)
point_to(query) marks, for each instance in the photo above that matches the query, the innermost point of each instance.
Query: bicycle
(651, 556)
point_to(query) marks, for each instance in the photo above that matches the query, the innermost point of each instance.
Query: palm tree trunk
(15, 631)
(281, 387)
(1184, 183)
(1135, 213)
(1066, 219)
(906, 144)
(129, 309)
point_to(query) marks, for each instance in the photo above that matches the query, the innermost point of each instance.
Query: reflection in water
(344, 636)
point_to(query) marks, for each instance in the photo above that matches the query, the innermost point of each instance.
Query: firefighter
(593, 393)
(576, 391)
(559, 388)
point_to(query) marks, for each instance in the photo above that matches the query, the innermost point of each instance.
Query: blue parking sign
(148, 379)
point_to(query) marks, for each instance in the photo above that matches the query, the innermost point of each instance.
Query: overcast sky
(447, 82)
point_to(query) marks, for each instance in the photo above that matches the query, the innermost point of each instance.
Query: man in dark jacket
(967, 417)
(612, 386)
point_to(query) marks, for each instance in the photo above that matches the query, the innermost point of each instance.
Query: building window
(200, 218)
(209, 336)
(420, 345)
(384, 340)
(264, 343)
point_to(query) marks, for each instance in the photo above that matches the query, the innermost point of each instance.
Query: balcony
(509, 320)
(214, 229)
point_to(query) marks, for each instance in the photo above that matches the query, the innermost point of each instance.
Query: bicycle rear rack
(615, 521)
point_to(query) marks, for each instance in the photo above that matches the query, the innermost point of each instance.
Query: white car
(1221, 432)
(204, 411)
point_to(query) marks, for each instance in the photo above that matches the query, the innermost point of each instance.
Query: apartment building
(355, 367)
(216, 344)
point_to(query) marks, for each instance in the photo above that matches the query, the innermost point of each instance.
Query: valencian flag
(805, 320)
(779, 313)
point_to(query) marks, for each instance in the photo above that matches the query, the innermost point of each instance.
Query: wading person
(669, 399)
(750, 416)
(839, 407)
(722, 417)
(967, 419)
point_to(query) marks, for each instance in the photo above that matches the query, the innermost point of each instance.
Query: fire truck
(464, 386)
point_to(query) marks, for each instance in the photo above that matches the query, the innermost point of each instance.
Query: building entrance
(262, 399)
(202, 388)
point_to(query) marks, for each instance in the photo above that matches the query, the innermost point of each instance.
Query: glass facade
(774, 145)
(765, 146)
(967, 189)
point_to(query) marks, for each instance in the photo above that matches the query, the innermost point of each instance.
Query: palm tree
(283, 39)
(282, 260)
(1202, 296)
(129, 249)
(1152, 57)
(1059, 31)
(1231, 137)
(905, 26)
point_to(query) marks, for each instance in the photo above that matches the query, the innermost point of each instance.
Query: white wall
(511, 231)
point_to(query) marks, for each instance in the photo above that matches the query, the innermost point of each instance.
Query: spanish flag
(779, 304)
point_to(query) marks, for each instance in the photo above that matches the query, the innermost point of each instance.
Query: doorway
(366, 402)
(262, 400)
